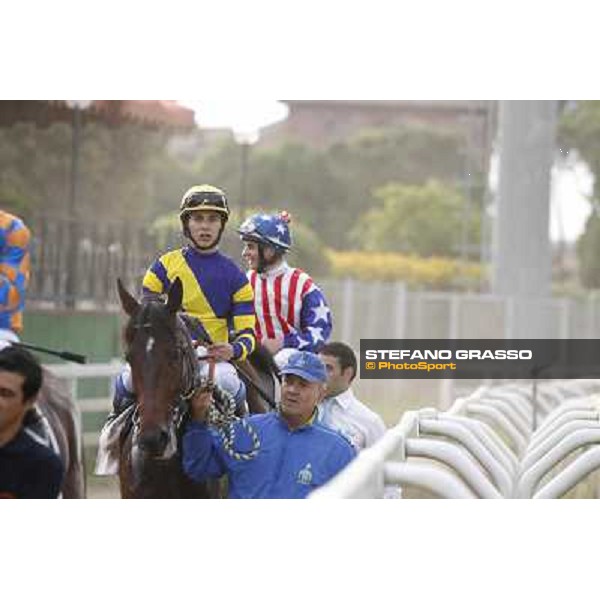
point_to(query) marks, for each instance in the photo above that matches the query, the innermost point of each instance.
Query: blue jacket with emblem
(289, 463)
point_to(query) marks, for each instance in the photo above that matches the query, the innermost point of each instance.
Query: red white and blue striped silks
(288, 304)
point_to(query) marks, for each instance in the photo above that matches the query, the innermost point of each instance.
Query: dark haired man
(291, 310)
(29, 467)
(340, 409)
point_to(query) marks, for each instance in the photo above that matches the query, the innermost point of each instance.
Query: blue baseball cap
(306, 365)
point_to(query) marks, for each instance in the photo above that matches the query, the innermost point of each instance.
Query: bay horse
(163, 363)
(61, 413)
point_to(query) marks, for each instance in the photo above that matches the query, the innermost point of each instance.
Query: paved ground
(102, 487)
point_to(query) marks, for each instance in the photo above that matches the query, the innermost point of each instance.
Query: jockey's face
(338, 380)
(299, 399)
(204, 226)
(250, 255)
(13, 405)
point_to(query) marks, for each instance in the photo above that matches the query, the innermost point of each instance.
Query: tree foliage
(588, 250)
(330, 189)
(579, 130)
(127, 174)
(416, 271)
(427, 220)
(117, 168)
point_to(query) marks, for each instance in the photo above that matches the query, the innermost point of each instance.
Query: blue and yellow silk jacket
(14, 270)
(215, 291)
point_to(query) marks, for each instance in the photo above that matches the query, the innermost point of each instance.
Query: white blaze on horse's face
(149, 345)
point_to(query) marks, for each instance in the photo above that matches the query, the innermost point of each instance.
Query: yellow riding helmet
(204, 197)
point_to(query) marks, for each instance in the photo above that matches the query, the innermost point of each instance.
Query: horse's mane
(55, 392)
(194, 326)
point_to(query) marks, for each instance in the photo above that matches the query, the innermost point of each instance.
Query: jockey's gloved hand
(221, 352)
(201, 352)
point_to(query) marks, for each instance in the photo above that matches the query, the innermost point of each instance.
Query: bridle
(221, 414)
(189, 380)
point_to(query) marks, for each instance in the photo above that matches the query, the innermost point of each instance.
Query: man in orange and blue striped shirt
(14, 274)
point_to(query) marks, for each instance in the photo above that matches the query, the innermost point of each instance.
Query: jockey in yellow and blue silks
(14, 274)
(215, 290)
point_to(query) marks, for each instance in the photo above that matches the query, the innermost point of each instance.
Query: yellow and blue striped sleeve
(155, 280)
(244, 320)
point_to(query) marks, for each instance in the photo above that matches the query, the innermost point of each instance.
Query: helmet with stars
(272, 230)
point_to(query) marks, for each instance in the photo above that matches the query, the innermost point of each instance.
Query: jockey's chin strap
(263, 265)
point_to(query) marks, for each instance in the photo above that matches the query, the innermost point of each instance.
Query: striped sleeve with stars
(290, 306)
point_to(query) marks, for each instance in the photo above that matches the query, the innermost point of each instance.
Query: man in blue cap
(283, 454)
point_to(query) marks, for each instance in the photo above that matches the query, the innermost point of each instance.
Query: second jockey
(291, 310)
(215, 290)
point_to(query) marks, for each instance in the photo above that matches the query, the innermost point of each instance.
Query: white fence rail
(485, 446)
(76, 373)
(407, 313)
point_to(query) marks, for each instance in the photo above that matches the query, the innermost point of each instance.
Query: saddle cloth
(107, 458)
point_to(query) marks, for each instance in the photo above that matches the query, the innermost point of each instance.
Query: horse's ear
(175, 296)
(128, 302)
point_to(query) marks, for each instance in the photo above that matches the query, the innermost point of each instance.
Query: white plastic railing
(451, 471)
(574, 473)
(484, 446)
(463, 433)
(539, 468)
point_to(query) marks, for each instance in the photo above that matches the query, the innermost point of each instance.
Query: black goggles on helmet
(209, 200)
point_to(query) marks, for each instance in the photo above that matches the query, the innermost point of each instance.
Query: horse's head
(162, 361)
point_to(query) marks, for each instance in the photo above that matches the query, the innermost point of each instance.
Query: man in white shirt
(341, 410)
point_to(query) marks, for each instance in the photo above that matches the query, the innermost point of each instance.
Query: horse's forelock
(166, 329)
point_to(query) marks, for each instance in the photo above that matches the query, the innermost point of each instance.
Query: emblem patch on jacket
(305, 475)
